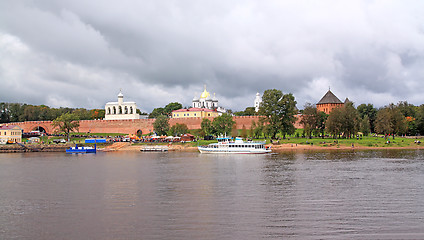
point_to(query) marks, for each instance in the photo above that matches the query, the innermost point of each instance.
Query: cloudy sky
(79, 53)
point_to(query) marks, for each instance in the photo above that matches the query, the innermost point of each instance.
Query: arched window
(120, 110)
(114, 110)
(131, 110)
(108, 110)
(126, 110)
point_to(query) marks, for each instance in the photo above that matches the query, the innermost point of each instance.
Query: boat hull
(80, 150)
(233, 151)
(77, 149)
(227, 145)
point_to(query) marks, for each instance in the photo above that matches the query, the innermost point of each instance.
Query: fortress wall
(132, 126)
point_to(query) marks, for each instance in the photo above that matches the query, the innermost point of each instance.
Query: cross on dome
(205, 93)
(120, 93)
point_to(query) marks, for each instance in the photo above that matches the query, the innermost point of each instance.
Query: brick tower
(329, 102)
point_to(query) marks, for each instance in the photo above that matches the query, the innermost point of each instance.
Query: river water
(187, 195)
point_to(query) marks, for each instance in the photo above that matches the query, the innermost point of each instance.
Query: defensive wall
(134, 125)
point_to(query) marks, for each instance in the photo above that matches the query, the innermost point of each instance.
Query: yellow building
(11, 134)
(194, 113)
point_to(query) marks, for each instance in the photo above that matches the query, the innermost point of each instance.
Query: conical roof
(329, 97)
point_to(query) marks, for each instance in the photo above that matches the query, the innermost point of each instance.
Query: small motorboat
(81, 149)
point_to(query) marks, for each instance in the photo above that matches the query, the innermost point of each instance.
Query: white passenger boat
(226, 145)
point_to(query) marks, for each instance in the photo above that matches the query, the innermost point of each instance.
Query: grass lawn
(365, 141)
(368, 141)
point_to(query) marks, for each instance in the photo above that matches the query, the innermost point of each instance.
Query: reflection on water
(308, 195)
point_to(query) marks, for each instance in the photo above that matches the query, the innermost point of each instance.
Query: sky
(79, 53)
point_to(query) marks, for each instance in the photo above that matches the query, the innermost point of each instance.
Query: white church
(121, 110)
(208, 102)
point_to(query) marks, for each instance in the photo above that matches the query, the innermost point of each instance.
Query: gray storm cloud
(80, 53)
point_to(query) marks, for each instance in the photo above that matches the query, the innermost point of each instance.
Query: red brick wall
(328, 107)
(131, 126)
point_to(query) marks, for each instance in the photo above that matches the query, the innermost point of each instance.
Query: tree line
(221, 125)
(278, 112)
(18, 112)
(393, 119)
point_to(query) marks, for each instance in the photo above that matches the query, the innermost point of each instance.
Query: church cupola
(120, 97)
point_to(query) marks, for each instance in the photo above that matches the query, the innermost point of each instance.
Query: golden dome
(205, 94)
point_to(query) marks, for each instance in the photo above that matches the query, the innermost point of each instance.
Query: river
(187, 195)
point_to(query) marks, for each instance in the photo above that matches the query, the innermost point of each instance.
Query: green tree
(16, 112)
(257, 128)
(343, 120)
(249, 111)
(223, 124)
(207, 127)
(178, 129)
(370, 111)
(66, 123)
(171, 107)
(321, 119)
(4, 113)
(407, 110)
(390, 120)
(350, 119)
(334, 123)
(309, 119)
(365, 127)
(420, 119)
(279, 112)
(161, 125)
(157, 112)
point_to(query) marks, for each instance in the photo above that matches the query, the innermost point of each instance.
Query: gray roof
(329, 97)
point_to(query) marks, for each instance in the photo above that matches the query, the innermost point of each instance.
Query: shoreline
(286, 148)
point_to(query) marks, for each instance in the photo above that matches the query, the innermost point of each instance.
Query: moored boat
(77, 149)
(226, 145)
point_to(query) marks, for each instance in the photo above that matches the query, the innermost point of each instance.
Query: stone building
(121, 110)
(194, 113)
(329, 102)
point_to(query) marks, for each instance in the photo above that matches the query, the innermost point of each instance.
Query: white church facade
(208, 102)
(121, 110)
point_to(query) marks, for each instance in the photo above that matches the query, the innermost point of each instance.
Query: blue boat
(77, 149)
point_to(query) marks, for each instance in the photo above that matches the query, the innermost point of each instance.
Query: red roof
(194, 110)
(8, 127)
(188, 135)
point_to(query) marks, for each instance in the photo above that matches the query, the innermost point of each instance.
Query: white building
(121, 110)
(206, 101)
(257, 102)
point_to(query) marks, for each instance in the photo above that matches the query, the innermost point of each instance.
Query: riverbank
(15, 148)
(285, 148)
(188, 147)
